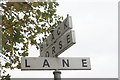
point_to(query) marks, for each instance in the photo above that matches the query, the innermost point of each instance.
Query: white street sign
(50, 63)
(57, 33)
(63, 43)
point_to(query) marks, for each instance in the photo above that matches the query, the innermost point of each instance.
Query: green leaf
(24, 54)
(19, 66)
(7, 65)
(35, 4)
(43, 25)
(38, 11)
(26, 16)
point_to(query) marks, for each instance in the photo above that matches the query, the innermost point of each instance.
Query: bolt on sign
(57, 38)
(52, 63)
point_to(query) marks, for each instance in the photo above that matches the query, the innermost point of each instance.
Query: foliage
(23, 23)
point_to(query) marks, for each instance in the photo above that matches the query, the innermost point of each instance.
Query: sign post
(57, 75)
(57, 42)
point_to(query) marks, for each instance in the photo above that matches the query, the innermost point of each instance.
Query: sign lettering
(60, 45)
(84, 63)
(26, 65)
(52, 63)
(65, 63)
(46, 63)
(56, 34)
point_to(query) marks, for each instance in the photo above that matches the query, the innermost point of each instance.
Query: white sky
(96, 26)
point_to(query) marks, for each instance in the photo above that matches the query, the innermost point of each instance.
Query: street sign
(50, 63)
(63, 43)
(57, 33)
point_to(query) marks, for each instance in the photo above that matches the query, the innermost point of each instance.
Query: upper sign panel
(63, 43)
(56, 34)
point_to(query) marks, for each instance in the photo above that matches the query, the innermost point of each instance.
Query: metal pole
(57, 75)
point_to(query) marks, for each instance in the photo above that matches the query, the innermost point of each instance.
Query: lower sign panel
(49, 63)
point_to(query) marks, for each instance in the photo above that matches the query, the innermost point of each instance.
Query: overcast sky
(96, 27)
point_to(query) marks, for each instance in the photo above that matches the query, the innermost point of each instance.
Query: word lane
(50, 63)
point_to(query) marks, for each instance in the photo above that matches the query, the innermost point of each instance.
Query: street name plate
(50, 63)
(63, 43)
(57, 33)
